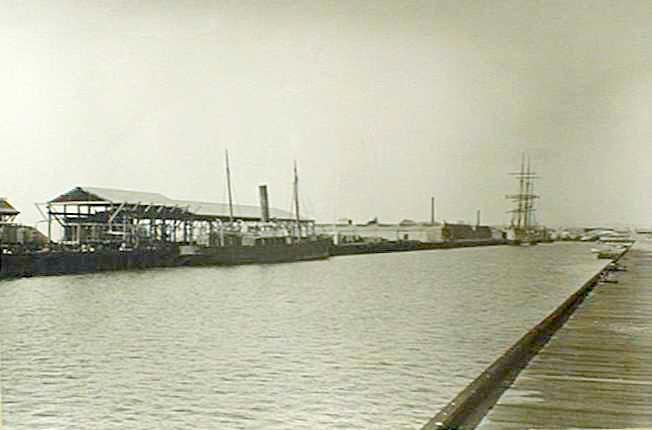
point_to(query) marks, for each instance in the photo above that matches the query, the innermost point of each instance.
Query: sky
(382, 104)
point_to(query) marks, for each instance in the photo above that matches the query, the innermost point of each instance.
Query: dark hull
(62, 263)
(271, 253)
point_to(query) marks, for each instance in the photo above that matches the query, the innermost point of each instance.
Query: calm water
(375, 342)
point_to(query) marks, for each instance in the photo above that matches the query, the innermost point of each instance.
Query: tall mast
(228, 185)
(523, 214)
(531, 210)
(530, 194)
(520, 221)
(527, 201)
(296, 200)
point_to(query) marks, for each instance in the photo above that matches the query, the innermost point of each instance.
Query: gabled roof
(202, 209)
(6, 208)
(110, 195)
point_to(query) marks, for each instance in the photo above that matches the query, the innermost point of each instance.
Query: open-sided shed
(93, 214)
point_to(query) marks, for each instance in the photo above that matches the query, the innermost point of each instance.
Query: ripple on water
(376, 341)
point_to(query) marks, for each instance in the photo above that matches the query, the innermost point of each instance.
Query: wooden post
(124, 228)
(49, 226)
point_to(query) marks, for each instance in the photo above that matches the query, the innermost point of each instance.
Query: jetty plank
(596, 371)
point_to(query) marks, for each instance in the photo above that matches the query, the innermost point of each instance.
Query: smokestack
(264, 203)
(477, 220)
(432, 210)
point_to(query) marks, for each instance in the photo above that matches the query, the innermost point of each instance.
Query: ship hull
(259, 254)
(63, 263)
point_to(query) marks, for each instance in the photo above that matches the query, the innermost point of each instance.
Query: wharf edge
(470, 406)
(64, 263)
(596, 372)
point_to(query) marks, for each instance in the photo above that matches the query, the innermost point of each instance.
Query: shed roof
(6, 208)
(199, 208)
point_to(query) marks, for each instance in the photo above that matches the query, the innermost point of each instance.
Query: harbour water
(377, 341)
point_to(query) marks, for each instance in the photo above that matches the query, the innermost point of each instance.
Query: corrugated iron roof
(207, 209)
(222, 210)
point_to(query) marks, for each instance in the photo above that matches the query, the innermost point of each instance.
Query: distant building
(407, 230)
(13, 235)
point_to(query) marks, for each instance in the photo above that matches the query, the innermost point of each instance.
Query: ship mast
(228, 185)
(296, 201)
(521, 192)
(527, 202)
(523, 214)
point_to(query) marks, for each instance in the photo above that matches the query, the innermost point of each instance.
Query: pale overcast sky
(382, 104)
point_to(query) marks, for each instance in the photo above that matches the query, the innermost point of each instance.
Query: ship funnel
(264, 203)
(432, 210)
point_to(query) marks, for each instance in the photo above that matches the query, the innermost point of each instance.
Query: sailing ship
(266, 241)
(522, 229)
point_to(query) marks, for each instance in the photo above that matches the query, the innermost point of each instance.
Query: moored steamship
(267, 241)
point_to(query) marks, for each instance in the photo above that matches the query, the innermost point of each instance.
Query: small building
(7, 212)
(16, 236)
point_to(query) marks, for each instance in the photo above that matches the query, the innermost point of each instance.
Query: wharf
(596, 371)
(407, 245)
(70, 262)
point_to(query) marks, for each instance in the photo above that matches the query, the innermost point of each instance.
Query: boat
(523, 237)
(523, 230)
(611, 253)
(612, 237)
(261, 251)
(266, 241)
(615, 267)
(609, 279)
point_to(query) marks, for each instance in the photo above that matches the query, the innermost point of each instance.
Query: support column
(49, 225)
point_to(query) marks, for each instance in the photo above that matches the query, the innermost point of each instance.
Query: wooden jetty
(596, 371)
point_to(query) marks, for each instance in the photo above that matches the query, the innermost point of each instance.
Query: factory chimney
(264, 203)
(477, 218)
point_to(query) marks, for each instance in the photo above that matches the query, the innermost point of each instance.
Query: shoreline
(61, 263)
